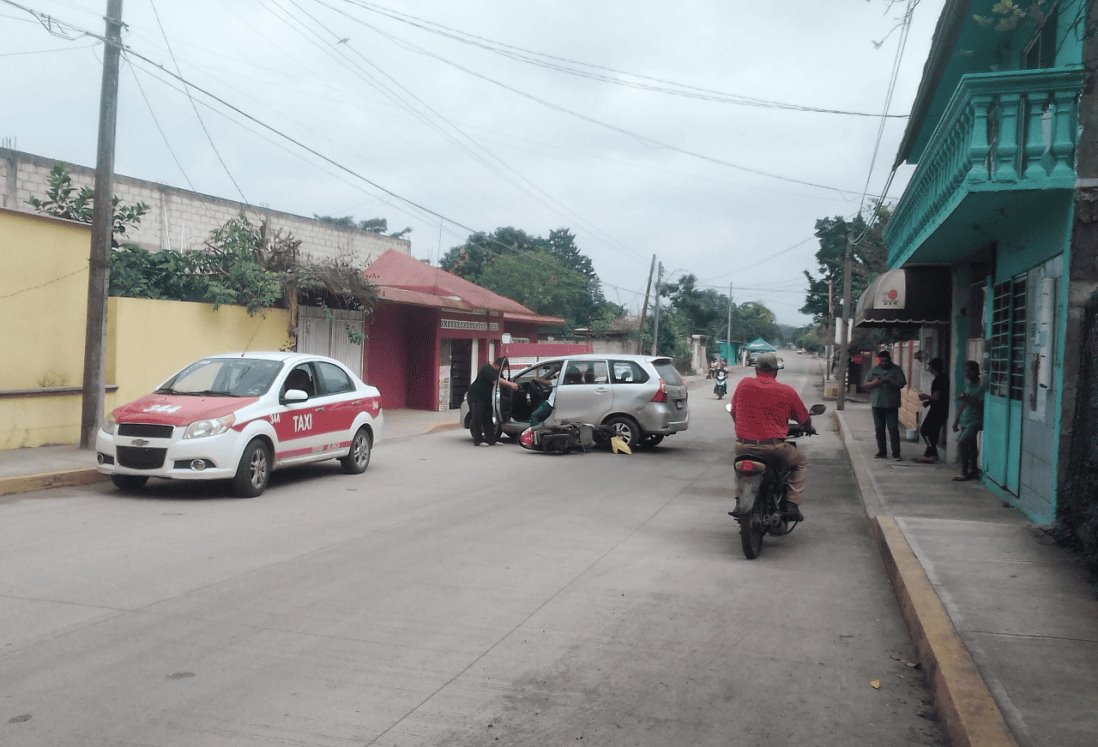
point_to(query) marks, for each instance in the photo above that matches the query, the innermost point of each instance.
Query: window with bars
(1007, 373)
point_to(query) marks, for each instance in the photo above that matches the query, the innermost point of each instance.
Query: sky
(429, 114)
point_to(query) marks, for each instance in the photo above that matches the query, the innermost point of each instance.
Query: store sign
(467, 324)
(891, 291)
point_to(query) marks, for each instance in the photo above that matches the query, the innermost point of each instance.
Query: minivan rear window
(667, 372)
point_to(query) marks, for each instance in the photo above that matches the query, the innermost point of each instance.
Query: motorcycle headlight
(109, 425)
(211, 427)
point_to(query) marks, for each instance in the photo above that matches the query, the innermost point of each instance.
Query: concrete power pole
(844, 341)
(644, 308)
(728, 336)
(99, 257)
(829, 342)
(656, 313)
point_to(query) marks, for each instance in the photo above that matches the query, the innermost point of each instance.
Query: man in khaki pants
(761, 409)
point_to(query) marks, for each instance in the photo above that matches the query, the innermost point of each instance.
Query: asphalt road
(456, 595)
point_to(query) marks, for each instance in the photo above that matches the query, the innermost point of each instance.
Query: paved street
(455, 595)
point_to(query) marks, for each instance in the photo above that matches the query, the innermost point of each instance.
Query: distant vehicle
(752, 357)
(240, 415)
(640, 398)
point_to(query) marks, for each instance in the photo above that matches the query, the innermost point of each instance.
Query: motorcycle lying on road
(764, 484)
(721, 387)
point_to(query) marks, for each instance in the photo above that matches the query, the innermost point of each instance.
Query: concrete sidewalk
(1005, 621)
(25, 470)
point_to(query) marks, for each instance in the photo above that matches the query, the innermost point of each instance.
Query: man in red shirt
(761, 411)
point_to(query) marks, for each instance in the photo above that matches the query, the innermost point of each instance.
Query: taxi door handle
(319, 409)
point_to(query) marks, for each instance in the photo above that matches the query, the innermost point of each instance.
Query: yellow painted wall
(43, 305)
(148, 341)
(43, 298)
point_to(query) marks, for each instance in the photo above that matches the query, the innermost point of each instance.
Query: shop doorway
(461, 359)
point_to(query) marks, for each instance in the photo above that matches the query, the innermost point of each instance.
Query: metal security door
(1002, 442)
(335, 333)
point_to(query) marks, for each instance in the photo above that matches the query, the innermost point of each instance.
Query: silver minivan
(641, 398)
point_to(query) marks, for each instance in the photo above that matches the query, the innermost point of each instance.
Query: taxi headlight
(109, 425)
(211, 427)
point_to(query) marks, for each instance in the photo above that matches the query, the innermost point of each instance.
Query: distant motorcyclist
(720, 388)
(761, 409)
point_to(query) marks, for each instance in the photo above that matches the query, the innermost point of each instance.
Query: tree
(63, 200)
(869, 258)
(514, 263)
(370, 225)
(756, 320)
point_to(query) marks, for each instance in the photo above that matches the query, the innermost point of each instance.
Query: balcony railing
(1000, 131)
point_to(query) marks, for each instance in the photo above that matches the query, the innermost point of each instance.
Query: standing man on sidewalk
(885, 381)
(970, 421)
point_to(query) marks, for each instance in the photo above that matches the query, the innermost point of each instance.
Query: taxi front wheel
(254, 470)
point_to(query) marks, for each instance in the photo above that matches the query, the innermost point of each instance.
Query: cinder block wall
(181, 219)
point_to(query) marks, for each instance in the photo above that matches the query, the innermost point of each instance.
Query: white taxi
(240, 415)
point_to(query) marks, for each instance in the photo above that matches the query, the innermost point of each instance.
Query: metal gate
(332, 332)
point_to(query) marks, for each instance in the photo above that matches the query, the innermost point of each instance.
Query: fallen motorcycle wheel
(751, 535)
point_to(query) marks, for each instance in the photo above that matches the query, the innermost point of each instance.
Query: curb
(969, 713)
(44, 480)
(443, 427)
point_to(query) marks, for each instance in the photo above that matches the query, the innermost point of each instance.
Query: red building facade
(431, 331)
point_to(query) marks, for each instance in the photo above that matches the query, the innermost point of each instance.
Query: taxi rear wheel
(254, 470)
(358, 458)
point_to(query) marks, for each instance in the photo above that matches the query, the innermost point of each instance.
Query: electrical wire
(642, 139)
(575, 67)
(209, 137)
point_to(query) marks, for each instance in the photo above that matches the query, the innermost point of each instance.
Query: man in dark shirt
(761, 410)
(937, 404)
(481, 424)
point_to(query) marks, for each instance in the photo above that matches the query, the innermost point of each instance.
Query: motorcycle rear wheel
(751, 536)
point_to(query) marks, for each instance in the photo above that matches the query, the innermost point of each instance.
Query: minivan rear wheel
(625, 428)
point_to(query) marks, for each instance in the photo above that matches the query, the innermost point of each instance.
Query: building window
(1007, 373)
(1040, 52)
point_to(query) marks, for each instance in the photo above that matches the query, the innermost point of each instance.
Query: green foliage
(373, 225)
(869, 258)
(1006, 15)
(548, 275)
(63, 200)
(229, 272)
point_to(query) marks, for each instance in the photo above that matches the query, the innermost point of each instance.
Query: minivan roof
(615, 356)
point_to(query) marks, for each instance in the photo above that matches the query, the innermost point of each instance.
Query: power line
(642, 139)
(225, 166)
(518, 180)
(576, 67)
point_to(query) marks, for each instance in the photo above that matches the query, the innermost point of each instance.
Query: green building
(990, 208)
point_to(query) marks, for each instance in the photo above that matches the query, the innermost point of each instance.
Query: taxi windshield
(224, 377)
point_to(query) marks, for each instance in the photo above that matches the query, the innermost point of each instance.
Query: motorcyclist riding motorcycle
(761, 409)
(721, 387)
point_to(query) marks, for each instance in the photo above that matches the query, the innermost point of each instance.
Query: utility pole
(656, 313)
(99, 257)
(644, 308)
(844, 342)
(829, 340)
(728, 337)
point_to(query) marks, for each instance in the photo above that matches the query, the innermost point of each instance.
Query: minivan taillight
(661, 394)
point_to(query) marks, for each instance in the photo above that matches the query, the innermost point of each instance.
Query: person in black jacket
(937, 404)
(481, 424)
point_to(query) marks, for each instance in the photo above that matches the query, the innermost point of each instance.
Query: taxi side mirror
(295, 395)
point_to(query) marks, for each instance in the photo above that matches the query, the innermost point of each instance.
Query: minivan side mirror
(817, 409)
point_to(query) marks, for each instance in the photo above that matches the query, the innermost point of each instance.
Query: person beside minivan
(481, 423)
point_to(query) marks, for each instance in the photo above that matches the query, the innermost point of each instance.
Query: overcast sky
(390, 100)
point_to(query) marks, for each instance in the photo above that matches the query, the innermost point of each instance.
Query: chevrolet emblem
(139, 442)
